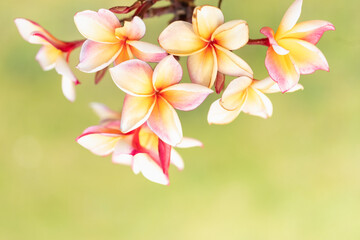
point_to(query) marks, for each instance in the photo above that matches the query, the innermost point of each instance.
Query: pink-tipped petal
(282, 70)
(185, 96)
(202, 67)
(104, 112)
(133, 77)
(68, 88)
(176, 159)
(235, 94)
(257, 104)
(47, 56)
(98, 26)
(167, 73)
(100, 141)
(27, 28)
(219, 115)
(146, 51)
(151, 170)
(230, 64)
(165, 122)
(136, 110)
(269, 33)
(133, 30)
(306, 56)
(187, 142)
(179, 39)
(206, 19)
(290, 18)
(232, 35)
(310, 31)
(96, 56)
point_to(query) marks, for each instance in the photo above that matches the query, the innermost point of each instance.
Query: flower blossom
(208, 42)
(109, 42)
(292, 49)
(246, 95)
(138, 149)
(53, 53)
(153, 95)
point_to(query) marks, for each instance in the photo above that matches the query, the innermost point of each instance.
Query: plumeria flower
(292, 49)
(138, 149)
(208, 42)
(109, 42)
(53, 53)
(153, 95)
(244, 95)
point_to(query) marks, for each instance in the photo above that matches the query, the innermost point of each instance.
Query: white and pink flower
(53, 53)
(152, 96)
(108, 41)
(292, 49)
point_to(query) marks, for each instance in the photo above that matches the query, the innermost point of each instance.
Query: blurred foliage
(294, 176)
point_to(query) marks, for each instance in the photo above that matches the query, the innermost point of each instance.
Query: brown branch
(262, 41)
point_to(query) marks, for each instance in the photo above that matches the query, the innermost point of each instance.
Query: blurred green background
(294, 176)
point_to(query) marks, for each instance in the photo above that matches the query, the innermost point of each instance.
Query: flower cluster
(148, 128)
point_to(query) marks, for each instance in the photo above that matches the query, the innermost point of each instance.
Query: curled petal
(146, 51)
(103, 112)
(149, 141)
(179, 39)
(133, 30)
(230, 64)
(219, 115)
(257, 104)
(124, 55)
(235, 94)
(151, 170)
(165, 122)
(27, 28)
(98, 26)
(264, 85)
(185, 96)
(62, 67)
(133, 77)
(47, 56)
(290, 18)
(306, 56)
(164, 156)
(202, 67)
(268, 85)
(123, 151)
(187, 142)
(310, 31)
(96, 56)
(167, 73)
(68, 88)
(100, 141)
(282, 70)
(269, 33)
(232, 35)
(176, 159)
(136, 110)
(206, 19)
